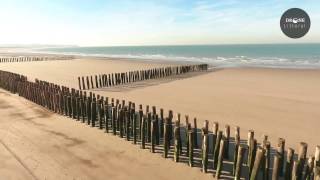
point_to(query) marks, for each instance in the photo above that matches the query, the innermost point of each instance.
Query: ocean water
(253, 55)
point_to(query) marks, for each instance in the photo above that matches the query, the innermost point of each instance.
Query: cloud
(142, 22)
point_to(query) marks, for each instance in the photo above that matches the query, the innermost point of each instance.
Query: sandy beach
(276, 102)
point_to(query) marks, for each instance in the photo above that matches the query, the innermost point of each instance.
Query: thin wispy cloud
(142, 22)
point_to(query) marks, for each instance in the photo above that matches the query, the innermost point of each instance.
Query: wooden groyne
(115, 79)
(149, 127)
(34, 58)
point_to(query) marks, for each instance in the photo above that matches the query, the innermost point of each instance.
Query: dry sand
(277, 102)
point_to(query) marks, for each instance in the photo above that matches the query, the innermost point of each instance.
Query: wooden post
(101, 113)
(266, 163)
(240, 157)
(88, 107)
(148, 126)
(176, 134)
(214, 135)
(205, 147)
(134, 127)
(220, 158)
(280, 151)
(127, 125)
(195, 133)
(216, 150)
(83, 84)
(161, 123)
(317, 164)
(166, 138)
(275, 172)
(191, 146)
(289, 164)
(140, 120)
(308, 169)
(114, 114)
(82, 105)
(153, 135)
(121, 120)
(252, 154)
(257, 163)
(250, 137)
(106, 115)
(79, 83)
(226, 143)
(236, 147)
(93, 112)
(295, 171)
(301, 159)
(143, 136)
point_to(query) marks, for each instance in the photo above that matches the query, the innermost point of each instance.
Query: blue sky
(147, 22)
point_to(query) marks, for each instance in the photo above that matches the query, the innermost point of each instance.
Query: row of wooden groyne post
(208, 148)
(33, 58)
(114, 79)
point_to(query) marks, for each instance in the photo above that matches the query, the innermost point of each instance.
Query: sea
(235, 55)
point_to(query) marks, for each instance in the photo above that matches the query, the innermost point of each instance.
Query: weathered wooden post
(79, 83)
(252, 154)
(308, 169)
(106, 115)
(280, 151)
(149, 127)
(121, 121)
(78, 108)
(70, 106)
(257, 163)
(295, 171)
(191, 147)
(88, 107)
(140, 120)
(143, 136)
(214, 135)
(266, 163)
(195, 133)
(166, 145)
(289, 164)
(153, 135)
(301, 159)
(236, 147)
(170, 130)
(93, 112)
(240, 157)
(127, 124)
(91, 82)
(134, 127)
(226, 142)
(82, 105)
(216, 150)
(114, 115)
(275, 172)
(101, 113)
(161, 123)
(250, 137)
(176, 134)
(88, 83)
(205, 147)
(220, 158)
(83, 84)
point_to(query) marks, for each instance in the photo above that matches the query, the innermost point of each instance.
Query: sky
(150, 22)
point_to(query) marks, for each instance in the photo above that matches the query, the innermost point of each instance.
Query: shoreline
(167, 60)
